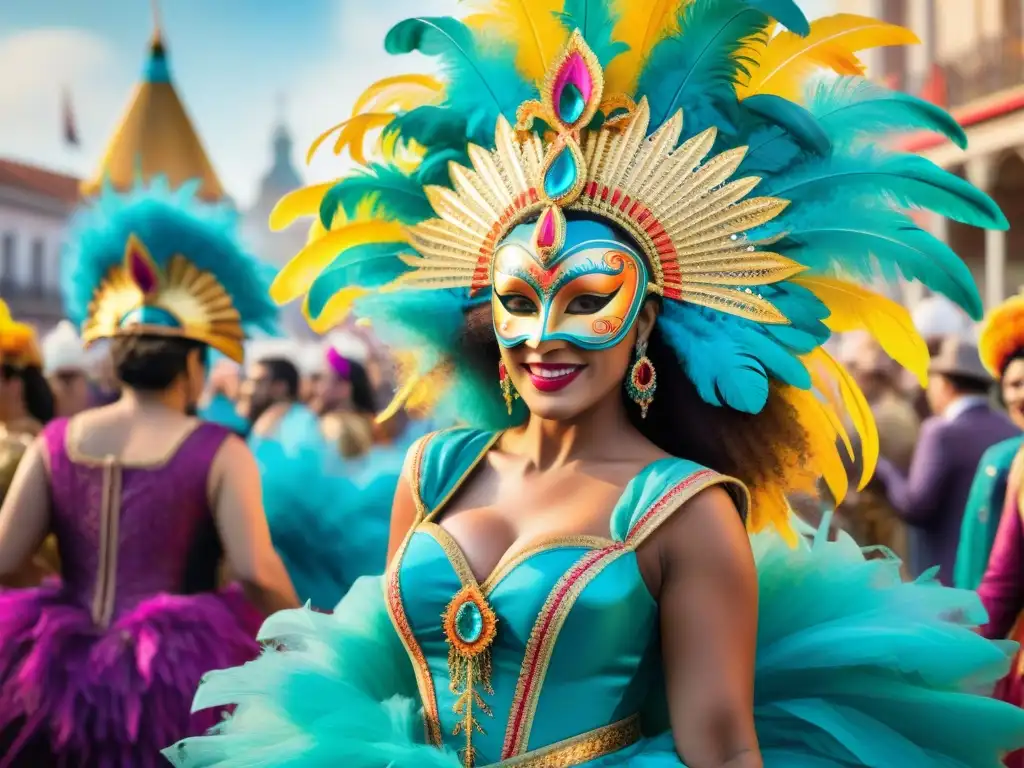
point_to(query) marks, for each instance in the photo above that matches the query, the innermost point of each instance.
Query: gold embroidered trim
(396, 612)
(542, 642)
(580, 749)
(109, 530)
(436, 511)
(451, 548)
(510, 562)
(669, 502)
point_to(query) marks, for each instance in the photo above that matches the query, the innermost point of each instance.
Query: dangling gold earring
(643, 380)
(508, 389)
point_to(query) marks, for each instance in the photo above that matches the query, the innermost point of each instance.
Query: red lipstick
(552, 377)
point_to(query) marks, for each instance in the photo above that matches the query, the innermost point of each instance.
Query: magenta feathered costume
(99, 671)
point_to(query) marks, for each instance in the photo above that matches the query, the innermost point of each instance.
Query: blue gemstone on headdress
(571, 104)
(561, 175)
(151, 316)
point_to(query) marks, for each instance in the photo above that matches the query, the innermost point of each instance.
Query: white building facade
(34, 208)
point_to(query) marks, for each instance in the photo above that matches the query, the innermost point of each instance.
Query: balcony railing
(995, 65)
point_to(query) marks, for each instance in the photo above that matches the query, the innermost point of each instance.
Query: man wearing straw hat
(931, 498)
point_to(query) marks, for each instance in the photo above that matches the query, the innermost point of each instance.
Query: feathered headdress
(19, 346)
(759, 192)
(1002, 335)
(157, 261)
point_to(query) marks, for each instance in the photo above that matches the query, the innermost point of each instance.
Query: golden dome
(156, 137)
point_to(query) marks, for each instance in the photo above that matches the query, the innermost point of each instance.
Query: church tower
(156, 136)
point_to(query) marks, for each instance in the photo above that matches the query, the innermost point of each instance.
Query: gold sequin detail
(581, 749)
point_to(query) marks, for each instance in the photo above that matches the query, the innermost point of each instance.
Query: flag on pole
(71, 137)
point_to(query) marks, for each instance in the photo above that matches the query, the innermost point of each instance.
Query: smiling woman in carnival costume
(142, 498)
(616, 242)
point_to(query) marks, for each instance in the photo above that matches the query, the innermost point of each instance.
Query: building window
(37, 267)
(894, 57)
(8, 277)
(1013, 19)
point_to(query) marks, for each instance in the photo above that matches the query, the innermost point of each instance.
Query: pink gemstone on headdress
(141, 270)
(573, 88)
(546, 231)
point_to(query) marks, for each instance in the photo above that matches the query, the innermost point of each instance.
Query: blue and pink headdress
(761, 195)
(158, 261)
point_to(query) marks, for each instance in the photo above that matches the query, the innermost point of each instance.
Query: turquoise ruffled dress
(981, 515)
(855, 668)
(328, 516)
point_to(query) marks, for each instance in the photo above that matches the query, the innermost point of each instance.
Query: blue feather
(595, 20)
(729, 359)
(371, 265)
(434, 168)
(431, 127)
(696, 69)
(906, 180)
(787, 13)
(797, 122)
(400, 196)
(483, 81)
(858, 242)
(853, 108)
(168, 222)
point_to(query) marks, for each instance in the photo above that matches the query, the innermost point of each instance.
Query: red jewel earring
(643, 380)
(508, 389)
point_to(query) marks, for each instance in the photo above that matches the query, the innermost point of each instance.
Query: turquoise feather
(852, 109)
(850, 241)
(430, 126)
(371, 265)
(404, 198)
(595, 20)
(168, 222)
(786, 12)
(796, 122)
(906, 180)
(699, 77)
(483, 81)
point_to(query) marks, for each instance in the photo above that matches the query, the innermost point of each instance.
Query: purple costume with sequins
(100, 669)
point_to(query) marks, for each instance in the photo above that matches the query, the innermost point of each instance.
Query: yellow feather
(298, 274)
(827, 387)
(530, 25)
(352, 134)
(853, 308)
(769, 507)
(821, 437)
(857, 408)
(786, 61)
(298, 204)
(399, 93)
(335, 310)
(642, 24)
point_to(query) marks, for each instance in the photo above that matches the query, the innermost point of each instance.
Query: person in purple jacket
(932, 496)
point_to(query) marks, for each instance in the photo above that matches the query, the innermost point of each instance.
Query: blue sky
(232, 62)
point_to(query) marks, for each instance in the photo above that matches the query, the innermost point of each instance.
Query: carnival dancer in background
(932, 494)
(26, 401)
(66, 366)
(220, 398)
(999, 490)
(624, 296)
(1001, 345)
(26, 406)
(143, 498)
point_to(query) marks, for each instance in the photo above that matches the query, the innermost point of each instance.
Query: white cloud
(37, 65)
(324, 97)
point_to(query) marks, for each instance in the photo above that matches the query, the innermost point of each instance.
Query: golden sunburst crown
(138, 297)
(678, 203)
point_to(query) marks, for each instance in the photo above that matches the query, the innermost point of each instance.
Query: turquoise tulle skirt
(855, 668)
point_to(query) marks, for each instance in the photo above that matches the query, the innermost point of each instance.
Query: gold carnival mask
(589, 294)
